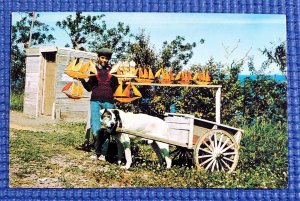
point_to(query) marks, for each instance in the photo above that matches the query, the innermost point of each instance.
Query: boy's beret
(105, 52)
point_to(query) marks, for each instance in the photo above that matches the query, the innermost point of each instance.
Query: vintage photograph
(131, 100)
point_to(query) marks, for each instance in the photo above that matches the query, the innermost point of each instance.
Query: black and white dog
(143, 123)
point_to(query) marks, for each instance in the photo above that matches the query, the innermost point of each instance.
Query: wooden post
(191, 132)
(31, 28)
(53, 115)
(43, 84)
(218, 105)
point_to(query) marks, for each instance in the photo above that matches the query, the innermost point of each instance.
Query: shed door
(49, 84)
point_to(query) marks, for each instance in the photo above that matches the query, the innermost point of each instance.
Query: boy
(102, 86)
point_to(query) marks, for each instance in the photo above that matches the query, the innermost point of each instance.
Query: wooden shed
(45, 79)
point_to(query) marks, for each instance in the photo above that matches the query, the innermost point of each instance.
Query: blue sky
(254, 31)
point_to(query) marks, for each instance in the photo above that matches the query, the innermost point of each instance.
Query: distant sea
(278, 78)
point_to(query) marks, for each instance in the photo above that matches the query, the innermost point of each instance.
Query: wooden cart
(211, 145)
(214, 146)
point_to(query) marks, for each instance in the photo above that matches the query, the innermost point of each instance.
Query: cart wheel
(216, 150)
(182, 156)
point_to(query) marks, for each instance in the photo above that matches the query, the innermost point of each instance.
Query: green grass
(262, 164)
(16, 102)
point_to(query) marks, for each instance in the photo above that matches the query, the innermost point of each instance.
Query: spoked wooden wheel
(182, 156)
(216, 150)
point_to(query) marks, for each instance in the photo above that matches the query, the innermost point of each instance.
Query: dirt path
(21, 121)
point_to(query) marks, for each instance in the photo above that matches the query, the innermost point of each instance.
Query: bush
(264, 150)
(16, 102)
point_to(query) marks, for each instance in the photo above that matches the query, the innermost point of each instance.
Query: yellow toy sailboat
(184, 77)
(76, 91)
(202, 78)
(129, 94)
(166, 77)
(145, 76)
(81, 70)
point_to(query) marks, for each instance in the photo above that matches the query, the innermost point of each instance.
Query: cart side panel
(179, 135)
(180, 129)
(202, 126)
(177, 119)
(199, 132)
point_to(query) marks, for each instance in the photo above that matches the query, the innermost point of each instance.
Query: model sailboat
(144, 75)
(165, 77)
(124, 71)
(129, 94)
(81, 70)
(73, 90)
(184, 77)
(202, 78)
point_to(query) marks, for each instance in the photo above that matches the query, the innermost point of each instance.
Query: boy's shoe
(101, 158)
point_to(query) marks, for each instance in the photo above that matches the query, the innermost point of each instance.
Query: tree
(117, 38)
(264, 98)
(29, 23)
(176, 54)
(142, 51)
(81, 29)
(90, 33)
(277, 55)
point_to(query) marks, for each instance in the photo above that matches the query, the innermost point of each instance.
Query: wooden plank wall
(66, 108)
(32, 84)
